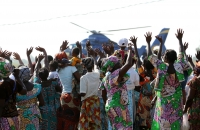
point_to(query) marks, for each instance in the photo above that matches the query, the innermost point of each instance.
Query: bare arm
(17, 57)
(179, 36)
(134, 41)
(41, 100)
(46, 63)
(148, 40)
(127, 65)
(28, 53)
(161, 46)
(37, 66)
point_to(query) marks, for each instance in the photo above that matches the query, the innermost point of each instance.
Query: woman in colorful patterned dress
(27, 104)
(168, 110)
(49, 93)
(193, 100)
(147, 72)
(9, 118)
(115, 86)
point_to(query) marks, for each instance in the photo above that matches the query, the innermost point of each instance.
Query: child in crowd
(75, 59)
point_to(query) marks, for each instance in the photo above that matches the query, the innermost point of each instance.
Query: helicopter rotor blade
(106, 34)
(80, 26)
(125, 29)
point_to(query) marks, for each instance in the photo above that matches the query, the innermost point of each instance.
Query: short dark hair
(170, 55)
(88, 62)
(76, 51)
(43, 73)
(50, 58)
(53, 64)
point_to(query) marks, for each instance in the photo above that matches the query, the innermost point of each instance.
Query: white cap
(123, 42)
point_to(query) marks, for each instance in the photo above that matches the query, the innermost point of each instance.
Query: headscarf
(24, 73)
(5, 68)
(88, 62)
(61, 55)
(109, 63)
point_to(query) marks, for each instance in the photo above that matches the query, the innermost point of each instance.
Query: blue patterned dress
(48, 112)
(28, 109)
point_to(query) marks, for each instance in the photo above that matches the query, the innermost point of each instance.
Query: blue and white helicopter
(97, 39)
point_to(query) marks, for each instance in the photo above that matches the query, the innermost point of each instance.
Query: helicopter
(97, 39)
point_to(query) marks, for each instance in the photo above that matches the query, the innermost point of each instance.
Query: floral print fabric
(90, 114)
(28, 109)
(117, 103)
(193, 113)
(10, 123)
(168, 109)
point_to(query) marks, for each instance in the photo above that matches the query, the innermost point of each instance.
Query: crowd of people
(107, 90)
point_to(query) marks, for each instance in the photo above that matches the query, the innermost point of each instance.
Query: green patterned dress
(168, 109)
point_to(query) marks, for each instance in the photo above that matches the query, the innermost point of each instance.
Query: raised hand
(107, 49)
(133, 39)
(179, 34)
(6, 54)
(99, 52)
(111, 44)
(78, 44)
(40, 49)
(159, 39)
(198, 55)
(29, 51)
(16, 56)
(40, 57)
(185, 46)
(148, 37)
(88, 44)
(64, 45)
(91, 51)
(189, 57)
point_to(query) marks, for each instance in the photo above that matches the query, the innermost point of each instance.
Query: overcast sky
(17, 35)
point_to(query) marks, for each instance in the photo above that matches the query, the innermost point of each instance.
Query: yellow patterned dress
(28, 109)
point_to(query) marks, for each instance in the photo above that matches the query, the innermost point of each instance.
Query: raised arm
(37, 66)
(46, 63)
(134, 41)
(179, 36)
(28, 53)
(127, 65)
(64, 46)
(189, 58)
(6, 54)
(160, 48)
(148, 37)
(78, 44)
(17, 57)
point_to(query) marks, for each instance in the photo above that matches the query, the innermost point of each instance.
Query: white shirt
(134, 79)
(89, 84)
(53, 75)
(65, 75)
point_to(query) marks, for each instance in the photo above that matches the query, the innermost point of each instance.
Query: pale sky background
(159, 14)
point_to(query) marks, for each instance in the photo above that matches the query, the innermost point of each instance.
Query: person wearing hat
(120, 53)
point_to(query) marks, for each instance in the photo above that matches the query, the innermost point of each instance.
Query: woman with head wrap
(192, 106)
(9, 118)
(115, 86)
(27, 104)
(69, 114)
(49, 91)
(90, 109)
(169, 105)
